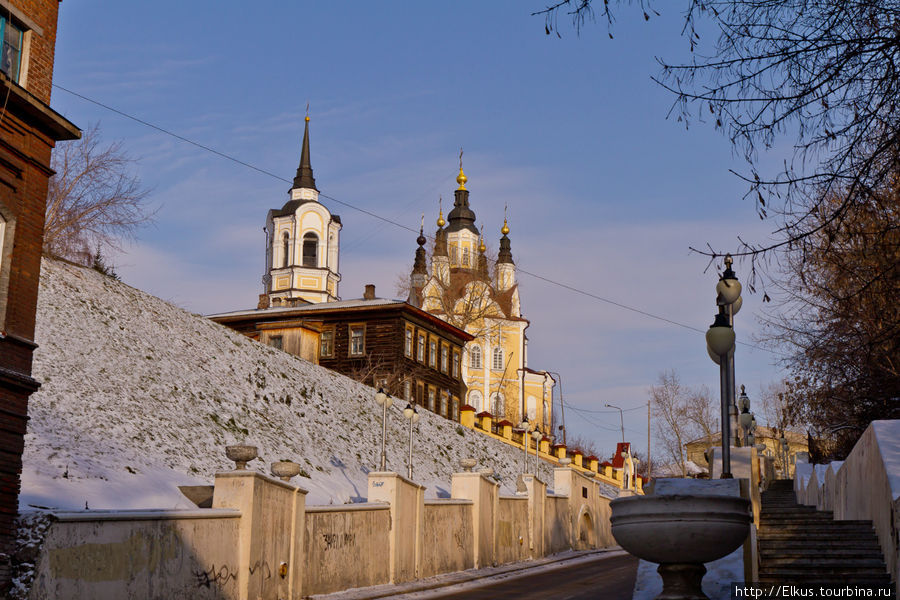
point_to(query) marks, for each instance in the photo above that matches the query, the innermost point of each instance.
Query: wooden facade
(413, 355)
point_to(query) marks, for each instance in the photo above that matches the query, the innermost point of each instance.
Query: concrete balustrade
(261, 540)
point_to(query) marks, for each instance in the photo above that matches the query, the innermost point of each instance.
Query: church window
(475, 357)
(455, 366)
(497, 404)
(285, 249)
(454, 255)
(310, 250)
(465, 260)
(445, 358)
(357, 340)
(432, 354)
(326, 346)
(497, 360)
(420, 348)
(408, 343)
(276, 341)
(475, 400)
(431, 406)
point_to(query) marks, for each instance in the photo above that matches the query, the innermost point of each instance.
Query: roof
(340, 306)
(618, 460)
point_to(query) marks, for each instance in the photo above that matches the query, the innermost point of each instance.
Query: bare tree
(819, 72)
(673, 428)
(93, 200)
(703, 415)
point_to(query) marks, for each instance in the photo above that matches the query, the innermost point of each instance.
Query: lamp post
(720, 347)
(524, 425)
(746, 417)
(536, 435)
(412, 415)
(784, 453)
(384, 400)
(621, 420)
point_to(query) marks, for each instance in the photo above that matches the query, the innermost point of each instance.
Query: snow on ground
(888, 435)
(139, 396)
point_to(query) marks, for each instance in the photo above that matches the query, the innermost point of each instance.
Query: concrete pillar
(485, 496)
(537, 500)
(467, 416)
(270, 539)
(407, 500)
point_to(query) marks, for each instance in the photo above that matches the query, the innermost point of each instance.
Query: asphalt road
(607, 578)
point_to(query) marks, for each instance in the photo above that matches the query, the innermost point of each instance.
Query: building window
(445, 358)
(455, 367)
(310, 250)
(408, 344)
(497, 361)
(497, 405)
(11, 54)
(455, 408)
(444, 406)
(357, 340)
(475, 357)
(465, 257)
(420, 394)
(276, 341)
(407, 390)
(285, 249)
(453, 255)
(431, 399)
(326, 346)
(475, 400)
(421, 348)
(432, 354)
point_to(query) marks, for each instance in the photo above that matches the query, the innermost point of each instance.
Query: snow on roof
(139, 396)
(304, 308)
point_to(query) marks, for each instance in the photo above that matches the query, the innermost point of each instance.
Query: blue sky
(605, 193)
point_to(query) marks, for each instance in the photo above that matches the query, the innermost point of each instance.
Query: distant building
(770, 439)
(414, 355)
(29, 129)
(461, 289)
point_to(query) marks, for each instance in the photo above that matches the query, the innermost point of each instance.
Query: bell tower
(303, 242)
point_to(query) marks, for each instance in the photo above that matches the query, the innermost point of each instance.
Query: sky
(606, 188)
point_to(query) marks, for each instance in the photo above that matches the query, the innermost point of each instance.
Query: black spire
(304, 177)
(419, 266)
(461, 217)
(505, 254)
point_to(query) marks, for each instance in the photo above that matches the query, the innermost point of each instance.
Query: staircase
(803, 546)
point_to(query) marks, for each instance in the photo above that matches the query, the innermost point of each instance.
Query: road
(607, 578)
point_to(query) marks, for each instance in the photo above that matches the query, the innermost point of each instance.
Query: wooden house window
(444, 407)
(276, 341)
(432, 354)
(431, 398)
(326, 346)
(420, 348)
(445, 352)
(408, 343)
(455, 407)
(357, 340)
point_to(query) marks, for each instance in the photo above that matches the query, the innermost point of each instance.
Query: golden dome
(461, 179)
(482, 248)
(441, 222)
(505, 228)
(307, 118)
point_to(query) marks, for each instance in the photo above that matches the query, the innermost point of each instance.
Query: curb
(450, 579)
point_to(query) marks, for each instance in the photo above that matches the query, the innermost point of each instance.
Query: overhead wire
(390, 221)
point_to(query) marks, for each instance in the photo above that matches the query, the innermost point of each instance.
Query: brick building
(29, 129)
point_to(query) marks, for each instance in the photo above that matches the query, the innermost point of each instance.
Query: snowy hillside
(139, 397)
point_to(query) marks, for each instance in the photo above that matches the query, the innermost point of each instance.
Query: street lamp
(720, 346)
(784, 450)
(621, 420)
(384, 400)
(537, 435)
(746, 416)
(523, 426)
(412, 415)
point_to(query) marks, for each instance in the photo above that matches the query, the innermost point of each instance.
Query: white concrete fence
(865, 487)
(260, 540)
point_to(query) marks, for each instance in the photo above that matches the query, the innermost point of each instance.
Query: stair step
(818, 536)
(819, 563)
(820, 552)
(789, 571)
(783, 547)
(817, 581)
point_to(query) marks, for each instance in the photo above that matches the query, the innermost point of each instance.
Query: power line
(392, 221)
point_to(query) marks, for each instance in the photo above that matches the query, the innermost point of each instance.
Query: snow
(887, 433)
(139, 396)
(802, 473)
(713, 487)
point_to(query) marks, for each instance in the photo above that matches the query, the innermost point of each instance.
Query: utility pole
(562, 406)
(648, 438)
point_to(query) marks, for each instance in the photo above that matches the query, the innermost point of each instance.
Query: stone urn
(285, 469)
(467, 464)
(565, 462)
(680, 532)
(241, 455)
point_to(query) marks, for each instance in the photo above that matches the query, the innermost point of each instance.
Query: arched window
(310, 250)
(531, 408)
(475, 400)
(546, 414)
(497, 405)
(285, 249)
(475, 357)
(497, 362)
